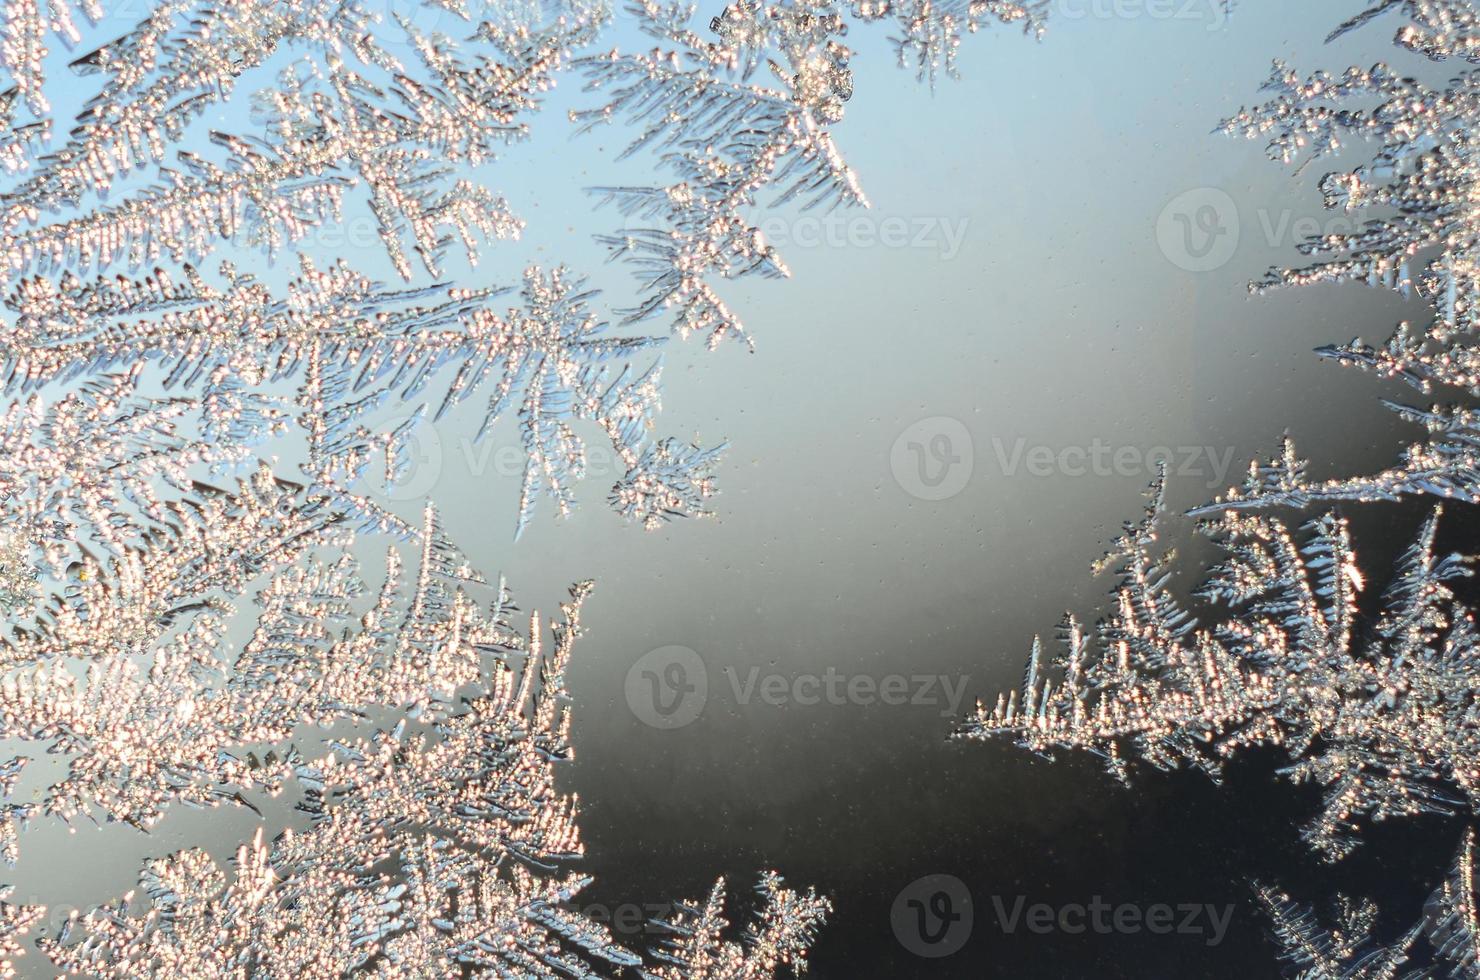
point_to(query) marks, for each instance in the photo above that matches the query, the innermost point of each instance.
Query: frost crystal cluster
(208, 600)
(1450, 929)
(201, 579)
(1380, 718)
(426, 854)
(350, 125)
(739, 118)
(1374, 700)
(1420, 195)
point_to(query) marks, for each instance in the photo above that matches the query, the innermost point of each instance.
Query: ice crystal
(224, 343)
(144, 383)
(1418, 193)
(699, 949)
(930, 31)
(167, 71)
(741, 118)
(97, 467)
(447, 812)
(24, 27)
(18, 141)
(1374, 702)
(426, 854)
(322, 124)
(18, 588)
(15, 922)
(1450, 929)
(183, 618)
(1345, 950)
(1381, 719)
(360, 346)
(122, 673)
(726, 137)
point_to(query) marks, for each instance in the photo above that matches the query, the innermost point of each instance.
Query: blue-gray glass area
(855, 488)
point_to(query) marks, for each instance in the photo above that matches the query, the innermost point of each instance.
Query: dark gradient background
(1059, 321)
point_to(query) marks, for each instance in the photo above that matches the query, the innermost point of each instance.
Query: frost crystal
(726, 137)
(385, 131)
(1346, 951)
(1380, 718)
(427, 854)
(184, 620)
(15, 922)
(700, 951)
(930, 30)
(183, 616)
(323, 123)
(1374, 706)
(740, 118)
(355, 346)
(1420, 237)
(24, 27)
